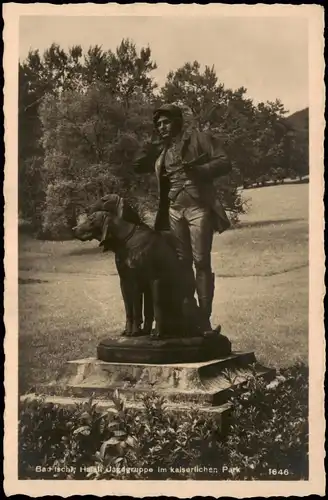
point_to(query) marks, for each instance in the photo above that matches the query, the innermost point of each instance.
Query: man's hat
(172, 111)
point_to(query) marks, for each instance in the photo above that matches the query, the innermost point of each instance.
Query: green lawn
(69, 291)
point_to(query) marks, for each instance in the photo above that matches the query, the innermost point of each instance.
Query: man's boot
(205, 283)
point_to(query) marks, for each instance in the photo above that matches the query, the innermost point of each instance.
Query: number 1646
(278, 472)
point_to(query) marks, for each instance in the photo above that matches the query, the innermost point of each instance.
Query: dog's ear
(110, 203)
(127, 213)
(97, 206)
(105, 232)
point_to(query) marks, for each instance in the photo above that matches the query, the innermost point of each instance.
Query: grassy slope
(69, 292)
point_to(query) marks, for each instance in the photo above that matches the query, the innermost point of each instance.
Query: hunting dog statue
(148, 267)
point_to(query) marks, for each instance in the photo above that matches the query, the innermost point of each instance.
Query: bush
(268, 438)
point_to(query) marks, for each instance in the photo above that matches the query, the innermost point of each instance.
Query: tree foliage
(90, 141)
(254, 136)
(82, 117)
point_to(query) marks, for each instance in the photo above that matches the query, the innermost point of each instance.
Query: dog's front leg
(127, 295)
(126, 292)
(148, 309)
(158, 309)
(137, 308)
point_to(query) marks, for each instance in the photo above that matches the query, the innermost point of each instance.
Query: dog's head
(104, 218)
(117, 206)
(97, 226)
(113, 209)
(91, 227)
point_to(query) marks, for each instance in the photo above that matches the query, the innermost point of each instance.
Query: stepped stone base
(191, 373)
(203, 385)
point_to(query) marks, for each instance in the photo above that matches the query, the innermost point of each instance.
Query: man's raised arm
(146, 157)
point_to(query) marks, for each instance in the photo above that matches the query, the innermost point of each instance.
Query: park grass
(69, 294)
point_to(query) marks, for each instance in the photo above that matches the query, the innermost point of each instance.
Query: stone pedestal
(195, 373)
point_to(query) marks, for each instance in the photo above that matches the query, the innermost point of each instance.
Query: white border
(181, 489)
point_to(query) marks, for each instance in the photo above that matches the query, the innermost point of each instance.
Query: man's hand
(188, 165)
(200, 160)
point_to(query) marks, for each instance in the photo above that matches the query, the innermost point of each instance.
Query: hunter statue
(186, 160)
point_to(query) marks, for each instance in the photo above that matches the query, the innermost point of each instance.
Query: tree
(270, 141)
(89, 142)
(199, 91)
(50, 74)
(252, 135)
(64, 77)
(131, 72)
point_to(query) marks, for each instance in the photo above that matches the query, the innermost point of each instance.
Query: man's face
(164, 127)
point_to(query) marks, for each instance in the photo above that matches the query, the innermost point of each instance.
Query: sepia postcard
(164, 258)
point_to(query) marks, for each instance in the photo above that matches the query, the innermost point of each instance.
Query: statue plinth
(163, 350)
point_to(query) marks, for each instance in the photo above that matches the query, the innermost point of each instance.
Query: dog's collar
(131, 233)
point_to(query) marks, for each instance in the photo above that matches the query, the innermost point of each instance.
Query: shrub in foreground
(268, 438)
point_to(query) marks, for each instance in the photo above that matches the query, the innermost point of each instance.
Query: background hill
(299, 158)
(299, 120)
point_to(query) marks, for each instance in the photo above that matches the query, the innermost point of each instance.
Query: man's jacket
(206, 163)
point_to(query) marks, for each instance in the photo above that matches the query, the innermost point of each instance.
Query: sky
(267, 55)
